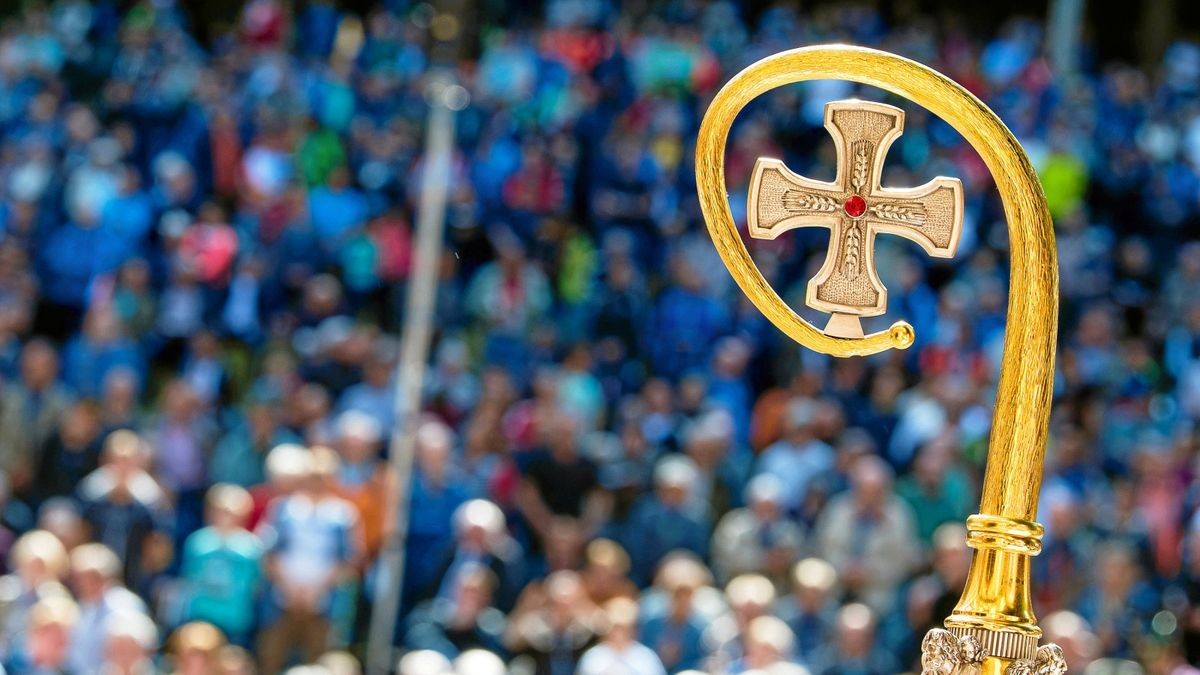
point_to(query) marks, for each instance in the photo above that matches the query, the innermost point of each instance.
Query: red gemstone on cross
(855, 206)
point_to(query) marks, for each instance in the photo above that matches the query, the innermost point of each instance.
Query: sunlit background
(388, 337)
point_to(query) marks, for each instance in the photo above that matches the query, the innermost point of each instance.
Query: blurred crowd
(621, 466)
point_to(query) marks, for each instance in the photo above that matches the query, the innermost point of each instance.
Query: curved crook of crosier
(1024, 394)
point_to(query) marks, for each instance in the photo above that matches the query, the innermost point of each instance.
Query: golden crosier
(995, 608)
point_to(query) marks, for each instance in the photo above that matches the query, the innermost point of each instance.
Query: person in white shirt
(95, 578)
(619, 653)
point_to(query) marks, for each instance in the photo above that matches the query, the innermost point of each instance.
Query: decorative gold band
(1004, 534)
(1001, 644)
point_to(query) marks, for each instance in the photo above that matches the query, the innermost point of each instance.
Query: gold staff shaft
(995, 606)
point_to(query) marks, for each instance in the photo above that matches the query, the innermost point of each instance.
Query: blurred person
(676, 635)
(488, 470)
(768, 648)
(919, 417)
(47, 637)
(209, 246)
(130, 643)
(1067, 549)
(62, 518)
(799, 458)
(564, 553)
(195, 649)
(1118, 604)
(661, 521)
(362, 477)
(728, 385)
(97, 350)
(480, 538)
(95, 578)
(506, 298)
(337, 208)
(119, 400)
(181, 305)
(758, 537)
(313, 543)
(560, 481)
(868, 534)
(605, 572)
(126, 509)
(72, 257)
(204, 369)
(900, 632)
(454, 386)
(287, 466)
(40, 564)
(70, 454)
(133, 297)
(234, 660)
(937, 490)
(882, 415)
(182, 438)
(854, 650)
(853, 444)
(579, 392)
(468, 620)
(222, 566)
(375, 394)
(749, 597)
(620, 310)
(244, 308)
(618, 650)
(685, 321)
(31, 409)
(436, 496)
(811, 608)
(526, 425)
(626, 461)
(555, 633)
(951, 564)
(1074, 636)
(723, 467)
(239, 456)
(768, 417)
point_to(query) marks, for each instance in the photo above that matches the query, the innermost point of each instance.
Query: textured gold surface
(1023, 399)
(997, 594)
(780, 200)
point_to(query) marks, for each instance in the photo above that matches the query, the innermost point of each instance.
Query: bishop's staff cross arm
(855, 208)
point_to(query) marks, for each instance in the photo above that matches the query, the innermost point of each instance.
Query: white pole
(445, 98)
(1062, 35)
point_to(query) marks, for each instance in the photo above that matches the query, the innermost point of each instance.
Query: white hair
(96, 558)
(358, 424)
(289, 460)
(424, 662)
(765, 487)
(479, 662)
(135, 626)
(434, 433)
(479, 513)
(676, 471)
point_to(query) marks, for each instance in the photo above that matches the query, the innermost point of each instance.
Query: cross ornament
(855, 208)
